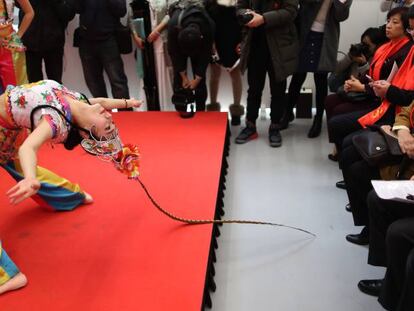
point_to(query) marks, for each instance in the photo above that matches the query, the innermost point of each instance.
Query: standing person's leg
(296, 82)
(34, 66)
(54, 64)
(256, 77)
(10, 276)
(215, 73)
(399, 244)
(200, 91)
(236, 109)
(92, 68)
(321, 85)
(277, 107)
(114, 68)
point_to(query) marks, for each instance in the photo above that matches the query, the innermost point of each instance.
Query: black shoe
(247, 134)
(315, 130)
(333, 157)
(287, 117)
(371, 287)
(359, 239)
(341, 184)
(235, 120)
(275, 139)
(348, 208)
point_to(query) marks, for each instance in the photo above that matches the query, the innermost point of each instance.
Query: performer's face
(103, 125)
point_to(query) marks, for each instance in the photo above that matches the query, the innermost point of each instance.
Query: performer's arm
(111, 103)
(28, 161)
(27, 17)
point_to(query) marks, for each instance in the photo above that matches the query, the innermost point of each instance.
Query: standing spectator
(269, 46)
(12, 56)
(45, 38)
(227, 43)
(190, 35)
(98, 48)
(319, 36)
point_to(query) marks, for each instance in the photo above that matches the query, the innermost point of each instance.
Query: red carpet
(120, 253)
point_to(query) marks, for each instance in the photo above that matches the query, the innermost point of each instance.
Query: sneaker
(275, 139)
(246, 134)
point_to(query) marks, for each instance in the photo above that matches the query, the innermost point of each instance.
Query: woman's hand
(406, 142)
(133, 103)
(194, 83)
(380, 88)
(354, 85)
(138, 41)
(185, 82)
(256, 21)
(153, 36)
(23, 190)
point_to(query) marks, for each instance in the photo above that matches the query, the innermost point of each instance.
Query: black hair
(403, 12)
(376, 35)
(74, 137)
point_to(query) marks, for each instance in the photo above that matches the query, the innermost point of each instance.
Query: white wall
(364, 14)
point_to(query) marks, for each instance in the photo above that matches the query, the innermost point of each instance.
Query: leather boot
(315, 130)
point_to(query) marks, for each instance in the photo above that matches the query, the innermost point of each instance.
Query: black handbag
(123, 38)
(377, 147)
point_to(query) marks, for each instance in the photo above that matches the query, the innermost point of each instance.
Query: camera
(359, 49)
(245, 18)
(181, 99)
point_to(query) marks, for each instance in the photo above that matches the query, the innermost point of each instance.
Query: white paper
(396, 190)
(393, 72)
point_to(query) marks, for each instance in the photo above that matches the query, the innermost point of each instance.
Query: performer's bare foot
(88, 198)
(16, 282)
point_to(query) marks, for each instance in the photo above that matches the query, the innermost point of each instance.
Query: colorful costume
(12, 56)
(7, 268)
(55, 193)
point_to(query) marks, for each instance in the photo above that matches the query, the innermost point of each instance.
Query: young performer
(30, 116)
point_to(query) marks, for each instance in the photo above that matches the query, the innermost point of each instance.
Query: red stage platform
(120, 253)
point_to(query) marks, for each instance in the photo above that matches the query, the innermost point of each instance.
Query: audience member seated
(391, 245)
(394, 51)
(354, 64)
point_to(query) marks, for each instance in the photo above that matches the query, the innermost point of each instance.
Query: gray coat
(338, 12)
(281, 34)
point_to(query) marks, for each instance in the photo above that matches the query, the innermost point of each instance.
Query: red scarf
(404, 79)
(385, 51)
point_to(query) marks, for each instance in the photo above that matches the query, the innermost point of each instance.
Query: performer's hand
(153, 36)
(23, 190)
(134, 103)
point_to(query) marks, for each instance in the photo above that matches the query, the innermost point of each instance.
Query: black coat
(47, 30)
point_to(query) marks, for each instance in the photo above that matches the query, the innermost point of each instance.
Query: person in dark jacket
(190, 35)
(319, 37)
(269, 45)
(98, 48)
(45, 38)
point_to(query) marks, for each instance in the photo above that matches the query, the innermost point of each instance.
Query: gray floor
(267, 268)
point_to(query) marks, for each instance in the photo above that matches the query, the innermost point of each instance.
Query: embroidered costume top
(20, 102)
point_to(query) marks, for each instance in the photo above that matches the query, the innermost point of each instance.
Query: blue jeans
(97, 56)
